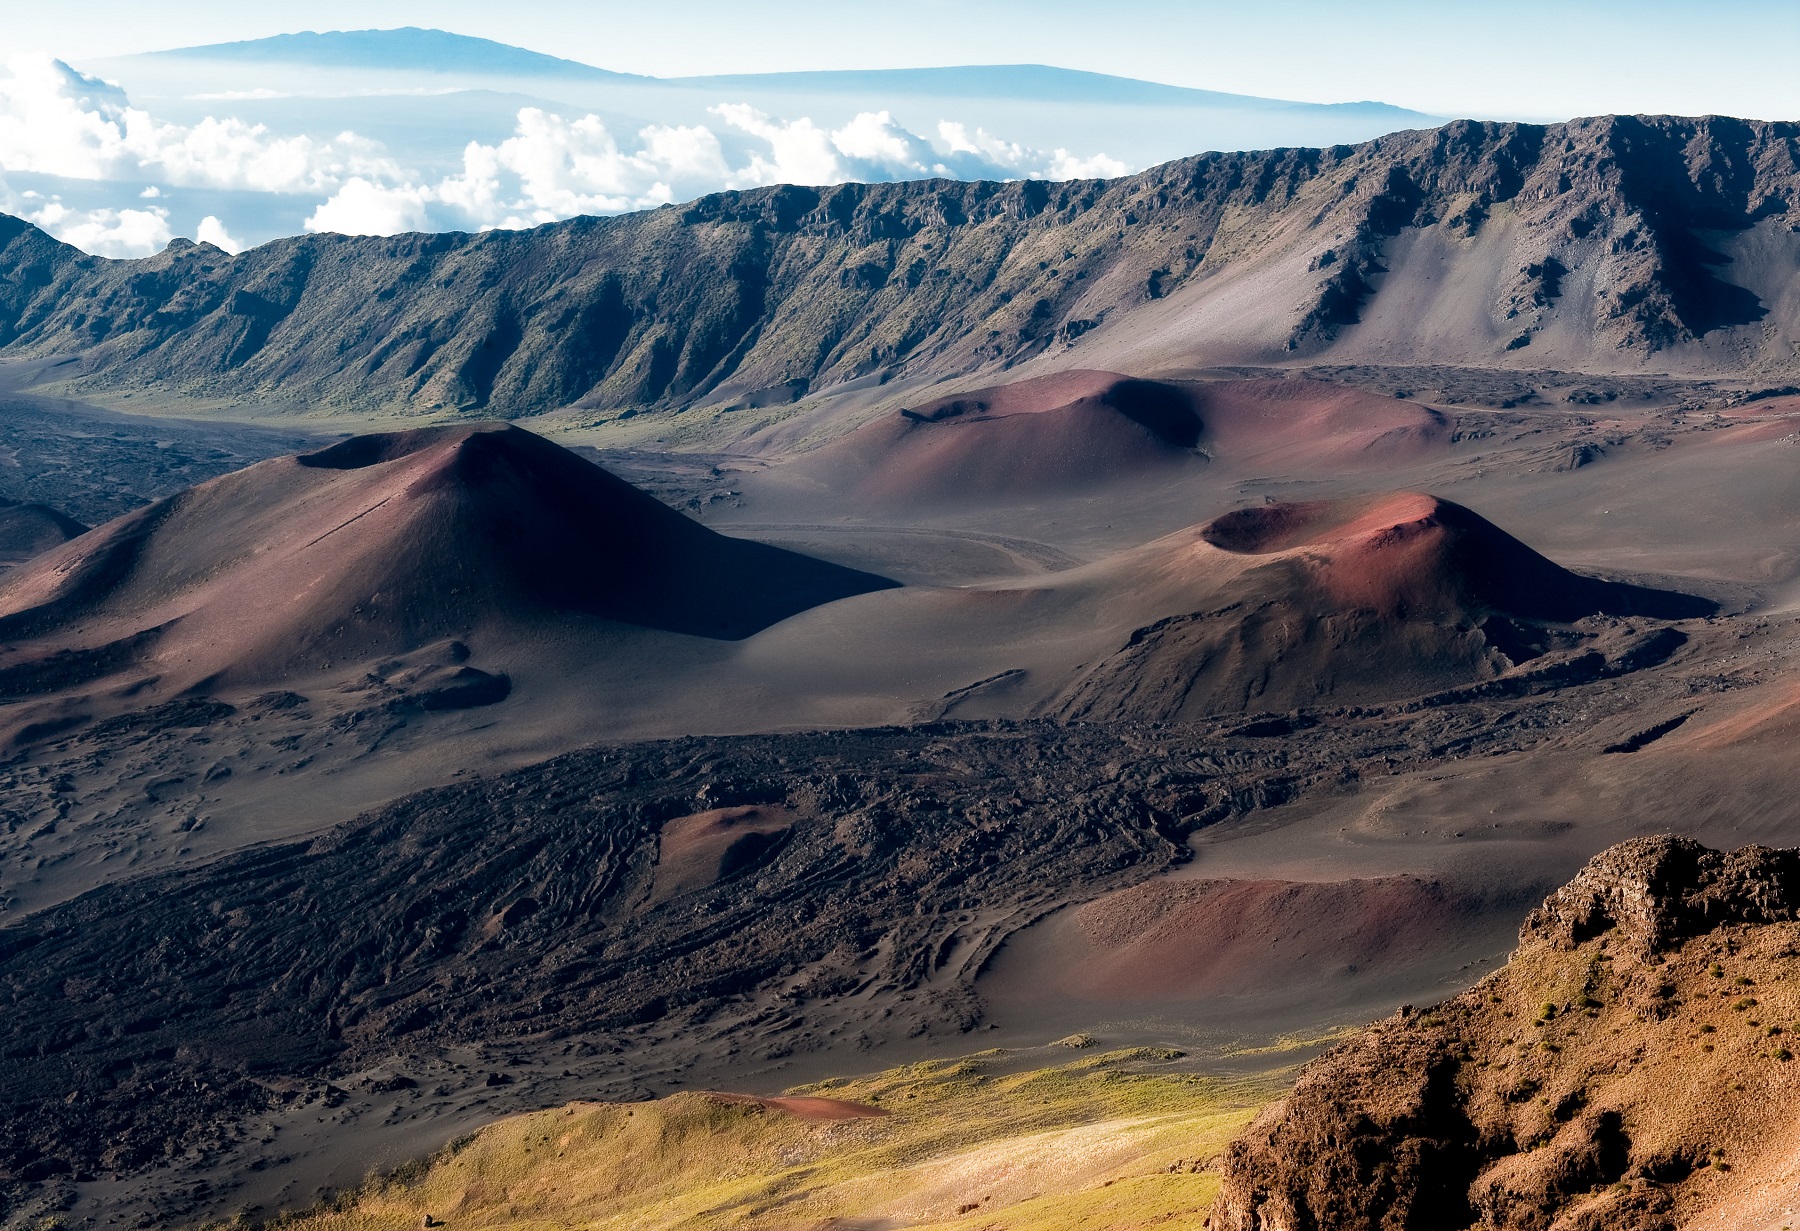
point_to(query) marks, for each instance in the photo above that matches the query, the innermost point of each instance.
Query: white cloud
(1065, 166)
(873, 137)
(106, 232)
(957, 137)
(870, 147)
(552, 168)
(1018, 160)
(800, 152)
(213, 232)
(56, 121)
(361, 207)
(565, 167)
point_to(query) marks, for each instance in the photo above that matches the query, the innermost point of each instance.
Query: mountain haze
(435, 51)
(1039, 82)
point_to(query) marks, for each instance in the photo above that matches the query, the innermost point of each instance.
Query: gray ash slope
(1598, 244)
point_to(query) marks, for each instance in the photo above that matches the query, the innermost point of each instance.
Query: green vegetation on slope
(1104, 1142)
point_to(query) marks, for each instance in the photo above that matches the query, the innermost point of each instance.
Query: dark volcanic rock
(28, 530)
(147, 1019)
(1657, 891)
(1612, 1075)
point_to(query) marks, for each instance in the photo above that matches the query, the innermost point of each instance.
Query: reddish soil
(1409, 553)
(1178, 940)
(379, 545)
(1312, 425)
(699, 850)
(29, 530)
(1079, 430)
(1060, 433)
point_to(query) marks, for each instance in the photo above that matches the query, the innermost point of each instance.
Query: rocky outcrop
(1657, 892)
(1607, 234)
(1628, 1068)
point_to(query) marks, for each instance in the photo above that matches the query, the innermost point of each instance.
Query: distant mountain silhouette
(409, 47)
(413, 49)
(1043, 82)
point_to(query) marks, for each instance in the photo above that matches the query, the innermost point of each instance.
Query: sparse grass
(1097, 1143)
(1287, 1043)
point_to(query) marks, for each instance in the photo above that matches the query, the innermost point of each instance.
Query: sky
(1525, 59)
(119, 171)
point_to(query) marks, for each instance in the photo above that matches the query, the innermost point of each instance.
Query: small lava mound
(1067, 432)
(1630, 1067)
(384, 543)
(1368, 601)
(1414, 552)
(698, 851)
(30, 530)
(1312, 426)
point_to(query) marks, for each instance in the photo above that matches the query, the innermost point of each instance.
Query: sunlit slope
(1098, 1143)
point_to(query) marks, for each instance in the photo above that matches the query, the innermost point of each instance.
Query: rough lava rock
(1626, 1069)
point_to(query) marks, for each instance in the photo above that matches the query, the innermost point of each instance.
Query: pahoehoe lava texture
(156, 1010)
(149, 1019)
(799, 288)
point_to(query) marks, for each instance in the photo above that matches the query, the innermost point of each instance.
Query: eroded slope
(1629, 1068)
(1599, 242)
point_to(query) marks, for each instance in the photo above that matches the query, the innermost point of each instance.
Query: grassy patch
(1103, 1142)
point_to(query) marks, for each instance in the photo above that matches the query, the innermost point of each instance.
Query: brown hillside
(1079, 430)
(382, 544)
(1375, 598)
(1630, 1069)
(1045, 436)
(28, 530)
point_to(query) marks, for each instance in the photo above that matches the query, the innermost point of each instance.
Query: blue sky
(1525, 59)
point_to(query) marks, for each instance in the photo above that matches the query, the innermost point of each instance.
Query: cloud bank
(55, 121)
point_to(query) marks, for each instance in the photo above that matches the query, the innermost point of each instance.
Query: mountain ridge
(1595, 244)
(1030, 80)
